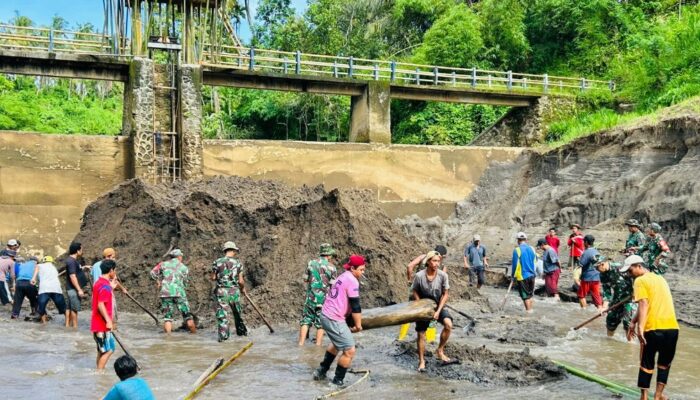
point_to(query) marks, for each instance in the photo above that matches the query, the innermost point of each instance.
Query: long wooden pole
(506, 296)
(213, 367)
(124, 348)
(245, 293)
(216, 372)
(600, 314)
(141, 306)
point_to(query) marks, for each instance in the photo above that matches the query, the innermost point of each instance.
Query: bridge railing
(29, 38)
(298, 63)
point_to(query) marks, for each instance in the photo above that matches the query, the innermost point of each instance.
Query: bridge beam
(370, 114)
(64, 65)
(461, 95)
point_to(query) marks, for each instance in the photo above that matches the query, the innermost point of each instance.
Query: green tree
(453, 41)
(505, 41)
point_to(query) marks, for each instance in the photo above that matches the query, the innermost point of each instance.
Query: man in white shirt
(49, 287)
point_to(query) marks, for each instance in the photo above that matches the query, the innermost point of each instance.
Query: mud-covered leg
(241, 329)
(223, 310)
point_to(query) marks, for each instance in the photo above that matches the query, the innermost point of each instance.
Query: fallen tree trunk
(402, 313)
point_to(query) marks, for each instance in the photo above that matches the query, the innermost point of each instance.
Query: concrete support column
(370, 116)
(191, 121)
(139, 103)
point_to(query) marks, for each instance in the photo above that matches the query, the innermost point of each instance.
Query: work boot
(320, 374)
(338, 382)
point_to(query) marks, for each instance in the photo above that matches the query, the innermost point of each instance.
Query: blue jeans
(57, 299)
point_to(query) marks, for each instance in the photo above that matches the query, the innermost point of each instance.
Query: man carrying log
(431, 283)
(617, 287)
(341, 304)
(320, 274)
(227, 272)
(171, 277)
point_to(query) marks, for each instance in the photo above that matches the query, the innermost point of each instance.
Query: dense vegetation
(650, 48)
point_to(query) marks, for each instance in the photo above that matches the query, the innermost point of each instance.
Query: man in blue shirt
(523, 265)
(475, 261)
(131, 387)
(590, 277)
(23, 287)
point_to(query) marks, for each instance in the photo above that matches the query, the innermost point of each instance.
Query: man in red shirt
(101, 324)
(575, 243)
(553, 240)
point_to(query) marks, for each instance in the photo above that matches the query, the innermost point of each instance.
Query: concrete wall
(425, 180)
(47, 180)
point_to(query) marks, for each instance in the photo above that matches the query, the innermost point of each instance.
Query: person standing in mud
(7, 273)
(171, 278)
(617, 288)
(434, 284)
(523, 270)
(75, 282)
(227, 272)
(552, 268)
(635, 239)
(553, 240)
(654, 250)
(341, 308)
(475, 261)
(655, 325)
(420, 262)
(590, 277)
(101, 323)
(320, 275)
(576, 246)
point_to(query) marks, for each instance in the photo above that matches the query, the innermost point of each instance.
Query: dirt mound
(483, 366)
(277, 227)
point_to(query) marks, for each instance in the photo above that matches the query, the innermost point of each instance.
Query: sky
(81, 11)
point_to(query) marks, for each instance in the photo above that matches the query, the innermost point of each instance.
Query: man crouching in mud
(432, 283)
(342, 302)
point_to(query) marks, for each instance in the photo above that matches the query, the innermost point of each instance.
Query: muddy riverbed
(59, 363)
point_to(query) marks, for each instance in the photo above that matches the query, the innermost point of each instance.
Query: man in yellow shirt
(655, 325)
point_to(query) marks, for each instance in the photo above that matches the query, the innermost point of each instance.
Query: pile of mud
(277, 227)
(483, 366)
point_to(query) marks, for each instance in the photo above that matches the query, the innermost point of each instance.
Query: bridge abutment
(370, 116)
(139, 109)
(191, 120)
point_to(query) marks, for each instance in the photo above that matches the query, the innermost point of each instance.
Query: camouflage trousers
(311, 314)
(660, 269)
(168, 306)
(622, 314)
(227, 303)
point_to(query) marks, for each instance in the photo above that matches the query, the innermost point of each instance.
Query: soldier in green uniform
(636, 237)
(227, 272)
(655, 250)
(617, 287)
(319, 276)
(172, 277)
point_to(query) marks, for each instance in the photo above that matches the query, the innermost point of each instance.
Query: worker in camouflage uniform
(636, 237)
(320, 275)
(172, 277)
(655, 250)
(617, 287)
(227, 272)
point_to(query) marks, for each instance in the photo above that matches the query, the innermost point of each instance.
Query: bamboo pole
(213, 367)
(617, 387)
(345, 389)
(216, 372)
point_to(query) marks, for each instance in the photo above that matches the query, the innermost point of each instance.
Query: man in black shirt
(75, 282)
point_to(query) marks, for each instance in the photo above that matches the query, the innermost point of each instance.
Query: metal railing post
(583, 84)
(509, 83)
(286, 65)
(350, 66)
(611, 85)
(524, 83)
(376, 72)
(435, 75)
(490, 79)
(251, 64)
(51, 41)
(474, 78)
(335, 69)
(393, 71)
(417, 76)
(454, 78)
(297, 62)
(546, 84)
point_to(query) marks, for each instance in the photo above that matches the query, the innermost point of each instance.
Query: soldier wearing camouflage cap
(636, 237)
(319, 276)
(227, 272)
(172, 277)
(655, 250)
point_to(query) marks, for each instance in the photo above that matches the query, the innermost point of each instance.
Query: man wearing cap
(590, 277)
(523, 267)
(475, 261)
(655, 325)
(551, 268)
(617, 288)
(576, 246)
(7, 271)
(636, 238)
(654, 250)
(107, 254)
(342, 307)
(171, 277)
(434, 284)
(320, 274)
(46, 274)
(24, 287)
(227, 272)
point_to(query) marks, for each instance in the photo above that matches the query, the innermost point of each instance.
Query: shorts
(168, 305)
(592, 287)
(338, 332)
(58, 300)
(72, 300)
(662, 341)
(104, 341)
(551, 282)
(526, 288)
(422, 326)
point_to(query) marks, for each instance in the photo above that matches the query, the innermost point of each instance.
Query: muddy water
(48, 362)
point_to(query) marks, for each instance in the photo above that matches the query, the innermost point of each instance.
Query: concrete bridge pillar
(139, 108)
(370, 116)
(191, 121)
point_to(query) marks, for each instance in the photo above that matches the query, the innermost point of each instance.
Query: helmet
(47, 259)
(230, 246)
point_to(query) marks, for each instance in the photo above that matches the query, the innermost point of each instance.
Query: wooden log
(402, 313)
